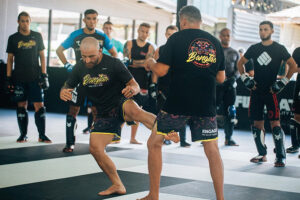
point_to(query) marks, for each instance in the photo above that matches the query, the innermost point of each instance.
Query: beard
(91, 64)
(265, 38)
(90, 29)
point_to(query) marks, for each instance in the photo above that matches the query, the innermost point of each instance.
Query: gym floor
(39, 171)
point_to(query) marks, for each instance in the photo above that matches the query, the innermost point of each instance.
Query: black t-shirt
(26, 50)
(296, 56)
(164, 81)
(103, 83)
(231, 59)
(194, 57)
(267, 61)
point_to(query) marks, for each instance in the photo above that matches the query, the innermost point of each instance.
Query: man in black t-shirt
(295, 122)
(27, 81)
(226, 92)
(267, 57)
(110, 87)
(74, 41)
(137, 51)
(195, 61)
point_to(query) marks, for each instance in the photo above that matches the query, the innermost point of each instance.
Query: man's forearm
(9, 67)
(138, 63)
(61, 55)
(43, 62)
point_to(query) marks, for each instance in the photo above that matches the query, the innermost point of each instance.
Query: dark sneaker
(185, 144)
(292, 149)
(167, 142)
(45, 139)
(259, 159)
(230, 143)
(22, 139)
(86, 130)
(68, 148)
(279, 162)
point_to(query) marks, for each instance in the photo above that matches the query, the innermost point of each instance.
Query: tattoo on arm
(126, 51)
(151, 52)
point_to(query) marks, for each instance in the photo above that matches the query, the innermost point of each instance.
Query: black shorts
(296, 106)
(202, 128)
(110, 123)
(257, 104)
(141, 99)
(78, 96)
(30, 91)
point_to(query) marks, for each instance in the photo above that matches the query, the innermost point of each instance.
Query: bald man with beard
(110, 87)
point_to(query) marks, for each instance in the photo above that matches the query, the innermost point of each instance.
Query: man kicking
(109, 85)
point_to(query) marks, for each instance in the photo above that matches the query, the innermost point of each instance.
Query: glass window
(63, 23)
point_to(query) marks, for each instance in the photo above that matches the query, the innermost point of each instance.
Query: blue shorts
(32, 92)
(202, 128)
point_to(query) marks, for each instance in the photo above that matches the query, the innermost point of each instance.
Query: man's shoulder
(76, 33)
(14, 35)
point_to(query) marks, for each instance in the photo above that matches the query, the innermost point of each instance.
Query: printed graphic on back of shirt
(202, 53)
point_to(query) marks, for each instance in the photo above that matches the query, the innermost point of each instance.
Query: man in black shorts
(195, 60)
(226, 92)
(110, 87)
(27, 81)
(137, 51)
(267, 57)
(295, 122)
(161, 87)
(73, 41)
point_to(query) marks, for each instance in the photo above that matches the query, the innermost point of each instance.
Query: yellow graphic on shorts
(26, 45)
(96, 81)
(202, 53)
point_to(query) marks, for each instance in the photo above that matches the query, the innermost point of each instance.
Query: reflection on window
(63, 23)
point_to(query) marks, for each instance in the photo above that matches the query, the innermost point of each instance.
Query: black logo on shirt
(202, 53)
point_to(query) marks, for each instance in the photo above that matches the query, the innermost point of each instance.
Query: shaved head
(90, 52)
(89, 43)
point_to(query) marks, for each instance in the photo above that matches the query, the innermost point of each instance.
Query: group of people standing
(181, 83)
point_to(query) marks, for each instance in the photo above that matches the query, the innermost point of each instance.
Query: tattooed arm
(127, 49)
(150, 54)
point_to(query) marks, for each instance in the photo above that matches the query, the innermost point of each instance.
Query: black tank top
(140, 74)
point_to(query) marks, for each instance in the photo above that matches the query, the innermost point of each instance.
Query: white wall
(290, 36)
(117, 8)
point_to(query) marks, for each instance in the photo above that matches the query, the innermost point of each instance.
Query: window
(63, 23)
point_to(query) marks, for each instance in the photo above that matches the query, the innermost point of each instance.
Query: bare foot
(145, 198)
(173, 136)
(114, 189)
(135, 142)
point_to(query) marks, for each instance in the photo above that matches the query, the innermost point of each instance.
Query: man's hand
(66, 94)
(44, 82)
(248, 81)
(8, 84)
(68, 66)
(279, 85)
(128, 92)
(148, 63)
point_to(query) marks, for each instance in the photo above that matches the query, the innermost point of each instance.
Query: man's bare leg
(216, 167)
(134, 129)
(154, 144)
(134, 113)
(98, 142)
